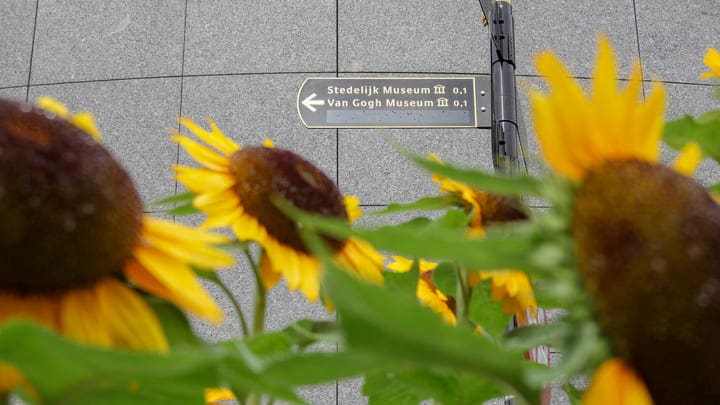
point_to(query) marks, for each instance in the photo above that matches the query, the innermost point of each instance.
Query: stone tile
(673, 37)
(250, 108)
(374, 170)
(350, 392)
(14, 93)
(234, 36)
(107, 39)
(570, 29)
(134, 117)
(425, 36)
(18, 18)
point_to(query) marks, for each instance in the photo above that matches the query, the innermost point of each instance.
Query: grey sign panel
(398, 102)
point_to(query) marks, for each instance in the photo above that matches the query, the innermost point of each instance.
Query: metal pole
(505, 135)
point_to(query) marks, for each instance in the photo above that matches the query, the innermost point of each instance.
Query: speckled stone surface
(18, 18)
(14, 93)
(237, 36)
(570, 29)
(422, 36)
(673, 37)
(105, 39)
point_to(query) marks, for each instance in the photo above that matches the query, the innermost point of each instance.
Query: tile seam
(32, 52)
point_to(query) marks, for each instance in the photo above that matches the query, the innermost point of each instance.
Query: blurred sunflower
(513, 287)
(236, 187)
(74, 230)
(428, 294)
(712, 61)
(645, 235)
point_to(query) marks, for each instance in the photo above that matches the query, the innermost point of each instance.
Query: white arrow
(309, 102)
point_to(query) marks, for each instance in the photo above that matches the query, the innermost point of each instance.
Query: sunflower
(712, 61)
(237, 187)
(427, 293)
(513, 287)
(645, 235)
(74, 232)
(616, 383)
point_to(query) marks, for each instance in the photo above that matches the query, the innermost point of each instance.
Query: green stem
(253, 399)
(236, 306)
(260, 297)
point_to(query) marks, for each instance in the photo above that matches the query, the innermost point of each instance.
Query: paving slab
(422, 36)
(18, 18)
(236, 36)
(14, 93)
(570, 29)
(105, 39)
(673, 37)
(134, 117)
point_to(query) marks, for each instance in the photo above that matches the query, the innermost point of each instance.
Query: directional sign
(446, 102)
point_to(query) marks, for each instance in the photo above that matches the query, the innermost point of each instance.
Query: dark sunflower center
(69, 213)
(265, 173)
(648, 243)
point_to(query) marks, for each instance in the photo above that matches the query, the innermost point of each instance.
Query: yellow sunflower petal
(352, 206)
(427, 295)
(202, 154)
(577, 132)
(223, 219)
(359, 257)
(712, 61)
(248, 228)
(268, 275)
(616, 383)
(179, 284)
(268, 143)
(83, 319)
(203, 180)
(85, 121)
(132, 322)
(214, 395)
(401, 265)
(48, 103)
(173, 231)
(215, 138)
(217, 203)
(690, 157)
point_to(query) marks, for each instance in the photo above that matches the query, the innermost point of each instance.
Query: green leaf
(178, 198)
(445, 278)
(492, 183)
(176, 326)
(316, 368)
(185, 209)
(705, 131)
(394, 327)
(383, 389)
(62, 371)
(403, 283)
(715, 188)
(415, 385)
(426, 204)
(574, 395)
(401, 386)
(486, 312)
